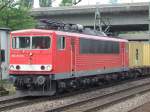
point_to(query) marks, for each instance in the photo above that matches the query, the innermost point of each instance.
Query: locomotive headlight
(18, 67)
(11, 67)
(48, 67)
(42, 67)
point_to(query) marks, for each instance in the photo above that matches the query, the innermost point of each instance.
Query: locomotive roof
(69, 34)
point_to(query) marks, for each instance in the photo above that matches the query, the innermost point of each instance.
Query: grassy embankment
(6, 88)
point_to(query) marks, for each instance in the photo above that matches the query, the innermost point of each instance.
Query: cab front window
(41, 42)
(33, 42)
(21, 42)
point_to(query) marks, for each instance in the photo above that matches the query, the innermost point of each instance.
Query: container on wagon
(139, 54)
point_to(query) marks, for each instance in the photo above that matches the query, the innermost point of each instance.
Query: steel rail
(99, 100)
(20, 102)
(9, 104)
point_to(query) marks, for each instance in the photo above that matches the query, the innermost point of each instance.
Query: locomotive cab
(31, 60)
(27, 50)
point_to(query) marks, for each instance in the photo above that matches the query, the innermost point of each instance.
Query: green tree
(15, 16)
(4, 4)
(27, 3)
(66, 3)
(69, 2)
(45, 3)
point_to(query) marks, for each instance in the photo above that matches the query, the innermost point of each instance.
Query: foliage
(4, 4)
(69, 2)
(45, 3)
(66, 3)
(15, 15)
(3, 81)
(27, 3)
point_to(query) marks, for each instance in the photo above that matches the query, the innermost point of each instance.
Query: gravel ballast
(121, 107)
(128, 104)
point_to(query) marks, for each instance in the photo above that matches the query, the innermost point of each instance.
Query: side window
(61, 42)
(90, 46)
(2, 55)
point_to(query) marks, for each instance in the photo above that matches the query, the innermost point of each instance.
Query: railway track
(12, 103)
(79, 100)
(19, 102)
(9, 104)
(100, 101)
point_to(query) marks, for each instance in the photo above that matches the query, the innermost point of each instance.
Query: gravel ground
(43, 106)
(129, 104)
(143, 108)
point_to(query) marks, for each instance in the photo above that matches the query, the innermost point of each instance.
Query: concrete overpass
(122, 17)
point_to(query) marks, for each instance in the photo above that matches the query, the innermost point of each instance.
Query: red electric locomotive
(43, 62)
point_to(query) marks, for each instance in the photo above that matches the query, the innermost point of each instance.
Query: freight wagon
(139, 56)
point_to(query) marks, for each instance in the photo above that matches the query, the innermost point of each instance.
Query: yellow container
(139, 54)
(146, 54)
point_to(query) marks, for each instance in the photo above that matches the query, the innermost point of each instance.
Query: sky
(56, 3)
